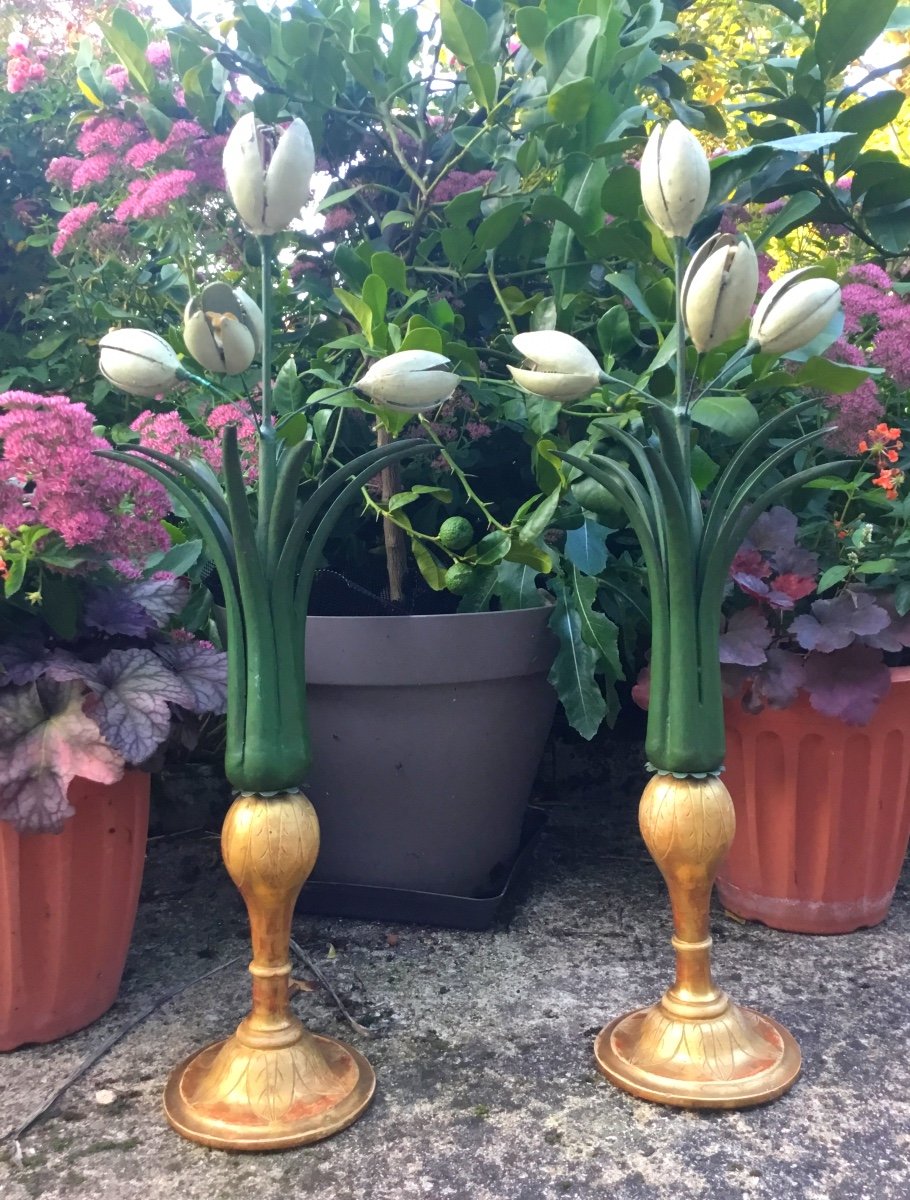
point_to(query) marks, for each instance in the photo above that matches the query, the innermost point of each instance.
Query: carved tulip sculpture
(675, 179)
(695, 1048)
(268, 171)
(718, 289)
(273, 1084)
(559, 366)
(410, 381)
(794, 310)
(223, 329)
(139, 362)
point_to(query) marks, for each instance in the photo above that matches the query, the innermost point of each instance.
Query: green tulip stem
(188, 377)
(268, 441)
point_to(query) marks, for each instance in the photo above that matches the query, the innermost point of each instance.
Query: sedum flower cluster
(118, 159)
(50, 476)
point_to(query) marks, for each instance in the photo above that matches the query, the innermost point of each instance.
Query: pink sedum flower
(105, 133)
(70, 224)
(158, 55)
(107, 509)
(457, 182)
(153, 197)
(118, 77)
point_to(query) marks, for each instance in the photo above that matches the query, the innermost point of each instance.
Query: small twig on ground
(96, 1055)
(320, 975)
(177, 833)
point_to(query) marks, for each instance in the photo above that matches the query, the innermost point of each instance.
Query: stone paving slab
(482, 1044)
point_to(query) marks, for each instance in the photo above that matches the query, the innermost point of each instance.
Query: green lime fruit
(455, 533)
(458, 577)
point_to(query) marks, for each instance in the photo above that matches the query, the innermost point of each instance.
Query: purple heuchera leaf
(777, 682)
(752, 585)
(774, 536)
(46, 740)
(135, 609)
(834, 624)
(22, 663)
(203, 670)
(111, 610)
(131, 703)
(65, 667)
(848, 684)
(162, 596)
(894, 636)
(746, 639)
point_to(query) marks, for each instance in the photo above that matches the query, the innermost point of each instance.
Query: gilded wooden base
(695, 1048)
(233, 1097)
(273, 1084)
(736, 1060)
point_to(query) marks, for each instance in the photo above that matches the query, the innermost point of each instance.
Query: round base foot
(735, 1060)
(235, 1097)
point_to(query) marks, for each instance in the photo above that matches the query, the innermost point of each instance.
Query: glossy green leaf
(586, 547)
(540, 519)
(480, 590)
(127, 38)
(494, 229)
(427, 565)
(392, 269)
(47, 347)
(532, 27)
(484, 84)
(570, 103)
(288, 392)
(575, 666)
(847, 29)
(793, 214)
(358, 308)
(516, 586)
(831, 376)
(734, 416)
(832, 576)
(492, 548)
(375, 295)
(464, 32)
(567, 49)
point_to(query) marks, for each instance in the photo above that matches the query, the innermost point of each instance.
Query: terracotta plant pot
(427, 732)
(67, 906)
(822, 814)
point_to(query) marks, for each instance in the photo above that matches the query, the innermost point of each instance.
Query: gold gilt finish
(273, 1084)
(695, 1048)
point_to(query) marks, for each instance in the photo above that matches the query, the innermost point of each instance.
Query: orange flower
(889, 480)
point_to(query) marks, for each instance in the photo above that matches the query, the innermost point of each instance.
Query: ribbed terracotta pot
(67, 906)
(427, 733)
(822, 814)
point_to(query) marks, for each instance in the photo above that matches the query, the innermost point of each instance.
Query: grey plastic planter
(427, 732)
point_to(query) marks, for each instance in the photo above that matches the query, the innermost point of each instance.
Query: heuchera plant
(783, 637)
(93, 663)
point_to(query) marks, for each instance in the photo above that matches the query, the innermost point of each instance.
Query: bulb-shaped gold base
(273, 1084)
(695, 1048)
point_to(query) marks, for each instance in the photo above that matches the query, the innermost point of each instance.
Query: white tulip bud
(223, 329)
(675, 179)
(718, 289)
(561, 368)
(268, 172)
(794, 310)
(409, 381)
(138, 361)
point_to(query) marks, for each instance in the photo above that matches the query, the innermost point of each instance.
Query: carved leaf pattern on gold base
(296, 1081)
